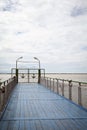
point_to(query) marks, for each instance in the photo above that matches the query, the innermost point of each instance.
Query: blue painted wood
(34, 107)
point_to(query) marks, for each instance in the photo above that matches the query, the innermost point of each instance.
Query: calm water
(75, 77)
(71, 76)
(4, 77)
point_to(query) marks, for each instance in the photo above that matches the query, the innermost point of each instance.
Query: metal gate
(26, 75)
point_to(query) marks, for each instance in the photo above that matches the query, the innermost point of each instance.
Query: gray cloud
(9, 5)
(76, 11)
(46, 30)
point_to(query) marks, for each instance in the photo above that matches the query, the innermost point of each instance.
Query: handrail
(67, 88)
(6, 88)
(5, 82)
(67, 80)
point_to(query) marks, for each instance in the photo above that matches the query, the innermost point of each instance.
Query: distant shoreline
(50, 73)
(64, 73)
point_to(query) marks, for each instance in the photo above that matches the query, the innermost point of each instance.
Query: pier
(37, 106)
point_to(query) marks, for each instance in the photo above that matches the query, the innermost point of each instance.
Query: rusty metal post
(79, 95)
(70, 89)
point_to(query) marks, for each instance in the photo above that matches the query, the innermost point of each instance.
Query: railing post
(53, 85)
(57, 86)
(28, 76)
(47, 82)
(62, 87)
(39, 75)
(2, 98)
(70, 89)
(7, 81)
(50, 83)
(17, 74)
(43, 81)
(4, 83)
(6, 93)
(79, 94)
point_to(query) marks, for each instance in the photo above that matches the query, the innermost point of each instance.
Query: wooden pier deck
(34, 107)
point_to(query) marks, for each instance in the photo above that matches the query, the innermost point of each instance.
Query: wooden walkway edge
(34, 107)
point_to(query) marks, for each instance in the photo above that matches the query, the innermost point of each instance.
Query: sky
(54, 31)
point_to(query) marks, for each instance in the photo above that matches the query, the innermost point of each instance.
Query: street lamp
(18, 60)
(37, 60)
(39, 70)
(16, 67)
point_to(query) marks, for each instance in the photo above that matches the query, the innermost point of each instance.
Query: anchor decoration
(33, 76)
(22, 76)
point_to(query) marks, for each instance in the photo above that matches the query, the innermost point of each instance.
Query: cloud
(77, 11)
(9, 5)
(46, 30)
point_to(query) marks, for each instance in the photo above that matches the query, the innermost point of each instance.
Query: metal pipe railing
(66, 87)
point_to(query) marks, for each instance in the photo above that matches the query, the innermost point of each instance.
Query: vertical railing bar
(63, 87)
(47, 82)
(70, 89)
(64, 84)
(53, 84)
(28, 76)
(79, 95)
(57, 86)
(44, 82)
(50, 83)
(4, 83)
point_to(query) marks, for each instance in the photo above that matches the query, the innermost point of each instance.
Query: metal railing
(6, 88)
(73, 90)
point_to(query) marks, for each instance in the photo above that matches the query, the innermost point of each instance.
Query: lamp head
(36, 58)
(21, 57)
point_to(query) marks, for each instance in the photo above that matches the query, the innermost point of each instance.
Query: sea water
(81, 77)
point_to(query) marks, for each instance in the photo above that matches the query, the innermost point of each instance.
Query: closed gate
(28, 75)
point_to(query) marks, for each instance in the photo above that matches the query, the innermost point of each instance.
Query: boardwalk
(33, 107)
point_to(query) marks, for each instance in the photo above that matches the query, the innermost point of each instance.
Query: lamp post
(39, 70)
(17, 68)
(18, 60)
(37, 60)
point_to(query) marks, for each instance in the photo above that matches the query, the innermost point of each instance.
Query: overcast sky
(55, 31)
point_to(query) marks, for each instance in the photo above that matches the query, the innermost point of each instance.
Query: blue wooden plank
(3, 125)
(13, 125)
